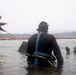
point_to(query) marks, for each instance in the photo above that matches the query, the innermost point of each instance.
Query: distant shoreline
(14, 38)
(28, 38)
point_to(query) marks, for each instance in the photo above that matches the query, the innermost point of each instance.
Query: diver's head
(43, 27)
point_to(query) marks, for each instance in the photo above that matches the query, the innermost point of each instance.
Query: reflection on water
(14, 63)
(42, 71)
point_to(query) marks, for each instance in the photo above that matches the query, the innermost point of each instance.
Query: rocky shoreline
(13, 38)
(28, 38)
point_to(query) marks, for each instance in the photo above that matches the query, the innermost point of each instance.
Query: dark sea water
(14, 63)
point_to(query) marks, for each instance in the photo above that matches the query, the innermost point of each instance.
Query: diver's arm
(57, 52)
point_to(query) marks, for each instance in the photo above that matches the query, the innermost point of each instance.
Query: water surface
(14, 63)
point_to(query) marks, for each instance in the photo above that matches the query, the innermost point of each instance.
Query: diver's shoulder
(33, 35)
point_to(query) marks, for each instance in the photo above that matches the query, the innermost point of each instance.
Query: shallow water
(14, 63)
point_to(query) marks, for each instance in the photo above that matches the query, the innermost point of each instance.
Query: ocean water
(14, 63)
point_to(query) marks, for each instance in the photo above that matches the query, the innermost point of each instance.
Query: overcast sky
(24, 16)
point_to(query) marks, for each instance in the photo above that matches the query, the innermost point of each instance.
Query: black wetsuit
(47, 44)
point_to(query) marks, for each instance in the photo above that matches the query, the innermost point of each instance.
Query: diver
(67, 50)
(43, 48)
(74, 50)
